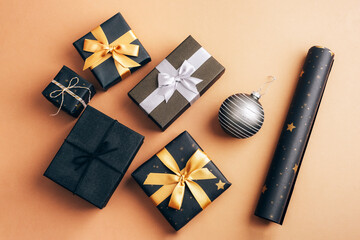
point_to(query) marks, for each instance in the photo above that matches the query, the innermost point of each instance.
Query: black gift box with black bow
(94, 157)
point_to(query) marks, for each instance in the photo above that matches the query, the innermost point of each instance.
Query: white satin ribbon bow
(171, 80)
(182, 81)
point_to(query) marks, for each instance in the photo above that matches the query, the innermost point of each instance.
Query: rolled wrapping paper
(280, 181)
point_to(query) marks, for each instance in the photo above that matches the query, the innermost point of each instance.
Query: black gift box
(78, 92)
(181, 149)
(106, 73)
(94, 157)
(280, 181)
(167, 112)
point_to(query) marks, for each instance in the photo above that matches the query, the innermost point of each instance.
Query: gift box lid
(207, 69)
(181, 149)
(106, 72)
(94, 157)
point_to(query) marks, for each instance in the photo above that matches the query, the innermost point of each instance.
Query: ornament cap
(256, 95)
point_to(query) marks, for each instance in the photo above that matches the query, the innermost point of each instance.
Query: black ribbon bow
(88, 157)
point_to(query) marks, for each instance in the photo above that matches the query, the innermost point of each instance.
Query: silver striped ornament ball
(241, 115)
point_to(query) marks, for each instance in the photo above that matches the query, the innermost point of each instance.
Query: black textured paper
(280, 181)
(96, 179)
(70, 105)
(181, 148)
(106, 73)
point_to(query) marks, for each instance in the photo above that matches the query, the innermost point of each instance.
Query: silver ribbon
(63, 89)
(171, 80)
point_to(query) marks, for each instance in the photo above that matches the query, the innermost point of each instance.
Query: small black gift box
(181, 180)
(94, 157)
(112, 51)
(69, 92)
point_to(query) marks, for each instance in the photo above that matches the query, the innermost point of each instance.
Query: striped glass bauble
(241, 115)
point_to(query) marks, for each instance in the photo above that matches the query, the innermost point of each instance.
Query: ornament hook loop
(265, 85)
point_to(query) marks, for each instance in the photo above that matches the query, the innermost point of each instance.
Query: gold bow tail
(118, 49)
(174, 184)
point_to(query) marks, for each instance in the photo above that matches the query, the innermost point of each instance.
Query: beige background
(252, 39)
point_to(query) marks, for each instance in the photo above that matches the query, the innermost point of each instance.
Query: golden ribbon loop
(102, 50)
(174, 184)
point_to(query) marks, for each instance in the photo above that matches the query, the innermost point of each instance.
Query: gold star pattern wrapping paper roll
(279, 184)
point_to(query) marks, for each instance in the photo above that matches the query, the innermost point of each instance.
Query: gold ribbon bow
(174, 184)
(102, 50)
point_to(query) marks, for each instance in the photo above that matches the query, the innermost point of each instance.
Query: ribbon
(88, 157)
(102, 50)
(171, 80)
(168, 83)
(63, 89)
(174, 184)
(85, 160)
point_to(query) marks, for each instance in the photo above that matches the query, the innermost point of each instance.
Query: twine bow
(102, 50)
(72, 85)
(174, 184)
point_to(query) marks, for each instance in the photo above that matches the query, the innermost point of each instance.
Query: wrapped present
(112, 51)
(177, 82)
(94, 157)
(69, 92)
(181, 180)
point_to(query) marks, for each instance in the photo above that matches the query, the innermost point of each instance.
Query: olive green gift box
(167, 112)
